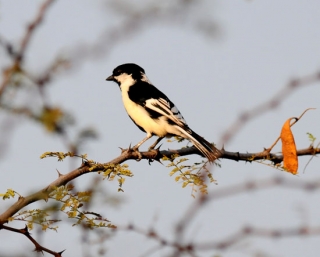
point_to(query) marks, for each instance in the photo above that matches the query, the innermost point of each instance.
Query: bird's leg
(136, 147)
(155, 151)
(155, 143)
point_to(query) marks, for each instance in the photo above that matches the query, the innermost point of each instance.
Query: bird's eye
(117, 72)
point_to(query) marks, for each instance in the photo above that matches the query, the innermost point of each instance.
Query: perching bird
(153, 112)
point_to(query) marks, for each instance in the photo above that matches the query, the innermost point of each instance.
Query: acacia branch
(273, 103)
(18, 56)
(235, 238)
(238, 189)
(38, 247)
(85, 168)
(236, 156)
(248, 231)
(129, 154)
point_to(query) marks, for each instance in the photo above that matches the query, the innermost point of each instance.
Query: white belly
(141, 117)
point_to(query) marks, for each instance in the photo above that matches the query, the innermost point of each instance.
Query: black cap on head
(129, 68)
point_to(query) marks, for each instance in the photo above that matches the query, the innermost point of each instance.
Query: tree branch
(273, 103)
(246, 232)
(236, 156)
(18, 56)
(38, 247)
(128, 154)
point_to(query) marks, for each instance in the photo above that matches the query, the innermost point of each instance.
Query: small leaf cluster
(61, 155)
(194, 175)
(312, 138)
(271, 164)
(71, 204)
(9, 194)
(36, 216)
(110, 171)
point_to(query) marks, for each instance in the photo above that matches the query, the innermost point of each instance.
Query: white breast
(141, 117)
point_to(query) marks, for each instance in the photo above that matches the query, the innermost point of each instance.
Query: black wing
(156, 102)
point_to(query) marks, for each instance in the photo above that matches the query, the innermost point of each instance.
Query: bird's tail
(206, 148)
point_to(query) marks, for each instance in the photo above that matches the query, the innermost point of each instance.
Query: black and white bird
(153, 112)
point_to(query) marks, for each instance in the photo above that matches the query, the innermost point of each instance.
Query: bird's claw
(155, 156)
(130, 150)
(139, 155)
(136, 150)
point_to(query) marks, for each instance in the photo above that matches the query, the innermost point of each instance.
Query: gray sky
(260, 47)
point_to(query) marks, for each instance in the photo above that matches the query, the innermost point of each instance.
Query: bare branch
(273, 103)
(246, 232)
(18, 57)
(236, 190)
(38, 247)
(132, 155)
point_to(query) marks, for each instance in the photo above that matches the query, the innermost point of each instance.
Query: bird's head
(127, 73)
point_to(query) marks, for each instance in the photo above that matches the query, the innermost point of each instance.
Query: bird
(153, 112)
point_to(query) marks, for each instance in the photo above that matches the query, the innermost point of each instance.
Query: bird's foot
(156, 155)
(130, 151)
(136, 150)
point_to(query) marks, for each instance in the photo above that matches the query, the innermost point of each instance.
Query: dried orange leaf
(289, 150)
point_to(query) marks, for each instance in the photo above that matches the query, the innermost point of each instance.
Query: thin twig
(18, 57)
(38, 247)
(273, 103)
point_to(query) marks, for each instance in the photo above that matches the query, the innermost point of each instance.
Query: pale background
(260, 46)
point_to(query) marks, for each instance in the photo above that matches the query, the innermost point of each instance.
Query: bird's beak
(110, 78)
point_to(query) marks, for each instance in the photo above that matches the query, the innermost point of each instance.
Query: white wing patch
(163, 107)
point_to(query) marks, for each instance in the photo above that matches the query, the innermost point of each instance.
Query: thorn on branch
(38, 249)
(25, 231)
(60, 253)
(59, 174)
